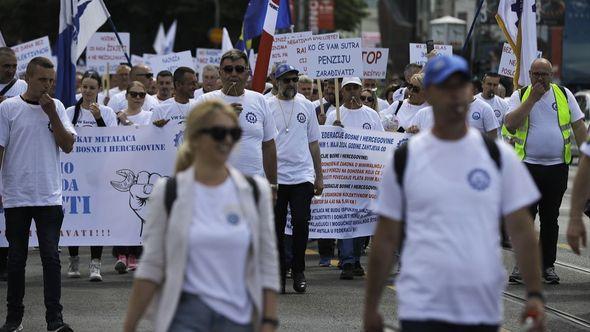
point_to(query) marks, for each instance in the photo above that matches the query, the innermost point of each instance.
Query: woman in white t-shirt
(88, 113)
(210, 260)
(134, 114)
(405, 110)
(369, 98)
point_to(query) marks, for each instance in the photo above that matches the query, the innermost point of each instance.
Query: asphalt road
(329, 305)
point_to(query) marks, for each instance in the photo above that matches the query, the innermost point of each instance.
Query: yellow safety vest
(563, 117)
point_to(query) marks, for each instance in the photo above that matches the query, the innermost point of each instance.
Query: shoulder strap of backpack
(255, 189)
(8, 87)
(493, 150)
(170, 194)
(400, 159)
(399, 105)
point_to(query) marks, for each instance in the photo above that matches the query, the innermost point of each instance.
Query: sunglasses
(367, 99)
(147, 75)
(220, 133)
(414, 88)
(237, 69)
(134, 94)
(287, 80)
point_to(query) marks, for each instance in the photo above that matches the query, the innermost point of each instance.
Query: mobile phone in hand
(429, 46)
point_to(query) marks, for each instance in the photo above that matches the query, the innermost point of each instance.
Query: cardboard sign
(338, 58)
(418, 52)
(25, 52)
(136, 60)
(279, 53)
(375, 62)
(508, 61)
(170, 62)
(104, 48)
(207, 56)
(297, 50)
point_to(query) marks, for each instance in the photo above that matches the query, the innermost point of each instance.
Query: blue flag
(255, 14)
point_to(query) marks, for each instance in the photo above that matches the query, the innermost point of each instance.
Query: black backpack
(170, 192)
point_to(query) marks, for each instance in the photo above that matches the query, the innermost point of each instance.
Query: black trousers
(3, 258)
(48, 220)
(297, 197)
(552, 183)
(95, 251)
(438, 326)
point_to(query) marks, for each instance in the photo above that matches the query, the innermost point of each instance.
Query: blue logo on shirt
(367, 125)
(498, 113)
(178, 138)
(476, 116)
(233, 219)
(251, 117)
(479, 179)
(301, 118)
(554, 106)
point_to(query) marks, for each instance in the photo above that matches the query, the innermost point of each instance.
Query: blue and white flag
(2, 42)
(170, 38)
(160, 41)
(78, 21)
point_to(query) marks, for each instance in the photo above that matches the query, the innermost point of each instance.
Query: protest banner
(106, 181)
(29, 50)
(338, 58)
(371, 39)
(207, 56)
(508, 61)
(375, 62)
(353, 161)
(104, 48)
(169, 62)
(136, 60)
(279, 53)
(418, 52)
(297, 50)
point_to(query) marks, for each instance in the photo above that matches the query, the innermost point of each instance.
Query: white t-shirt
(294, 161)
(118, 102)
(86, 119)
(361, 118)
(100, 97)
(455, 196)
(498, 105)
(173, 111)
(17, 89)
(585, 149)
(142, 118)
(382, 104)
(399, 94)
(481, 116)
(31, 170)
(219, 240)
(258, 126)
(424, 119)
(406, 113)
(198, 93)
(544, 144)
(317, 103)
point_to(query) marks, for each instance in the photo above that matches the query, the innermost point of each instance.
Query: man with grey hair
(210, 81)
(143, 75)
(305, 86)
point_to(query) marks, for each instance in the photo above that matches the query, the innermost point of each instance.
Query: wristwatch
(274, 186)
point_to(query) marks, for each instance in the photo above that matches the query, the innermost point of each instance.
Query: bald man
(545, 118)
(143, 75)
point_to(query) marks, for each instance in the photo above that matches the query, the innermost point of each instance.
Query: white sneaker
(94, 268)
(74, 267)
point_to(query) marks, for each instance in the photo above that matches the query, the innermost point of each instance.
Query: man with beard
(165, 86)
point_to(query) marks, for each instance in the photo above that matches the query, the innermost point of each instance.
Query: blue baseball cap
(442, 67)
(285, 68)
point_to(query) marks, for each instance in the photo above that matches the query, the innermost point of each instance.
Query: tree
(348, 14)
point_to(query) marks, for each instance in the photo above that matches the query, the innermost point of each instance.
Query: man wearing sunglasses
(177, 108)
(299, 169)
(544, 119)
(256, 153)
(143, 75)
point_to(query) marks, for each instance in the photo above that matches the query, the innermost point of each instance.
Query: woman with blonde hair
(210, 259)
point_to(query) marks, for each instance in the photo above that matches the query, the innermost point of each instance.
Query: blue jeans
(193, 315)
(48, 220)
(350, 250)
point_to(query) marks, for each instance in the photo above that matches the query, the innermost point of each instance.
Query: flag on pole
(160, 40)
(255, 17)
(170, 37)
(518, 21)
(78, 21)
(2, 42)
(226, 43)
(265, 47)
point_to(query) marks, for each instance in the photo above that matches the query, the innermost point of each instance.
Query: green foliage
(348, 14)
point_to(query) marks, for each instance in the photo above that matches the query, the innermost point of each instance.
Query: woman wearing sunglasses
(134, 114)
(369, 99)
(210, 263)
(405, 110)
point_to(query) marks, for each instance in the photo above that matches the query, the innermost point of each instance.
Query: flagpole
(471, 28)
(116, 33)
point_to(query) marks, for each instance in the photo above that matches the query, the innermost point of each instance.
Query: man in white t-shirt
(305, 86)
(328, 103)
(371, 84)
(210, 81)
(544, 119)
(576, 231)
(256, 153)
(353, 114)
(176, 109)
(10, 85)
(447, 191)
(33, 129)
(143, 75)
(299, 169)
(405, 110)
(410, 70)
(481, 117)
(490, 83)
(121, 80)
(165, 85)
